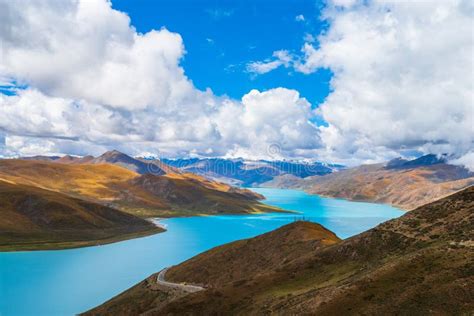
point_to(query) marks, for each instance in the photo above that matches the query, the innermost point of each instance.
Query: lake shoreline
(65, 245)
(159, 228)
(59, 282)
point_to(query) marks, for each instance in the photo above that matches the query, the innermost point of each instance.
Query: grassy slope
(418, 264)
(34, 218)
(188, 194)
(251, 257)
(142, 195)
(233, 262)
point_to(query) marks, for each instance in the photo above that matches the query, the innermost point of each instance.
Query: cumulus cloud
(403, 78)
(86, 50)
(407, 82)
(288, 129)
(92, 83)
(38, 124)
(279, 58)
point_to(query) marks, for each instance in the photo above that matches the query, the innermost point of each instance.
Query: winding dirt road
(160, 279)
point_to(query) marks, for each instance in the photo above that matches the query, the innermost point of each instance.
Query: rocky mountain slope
(35, 218)
(421, 263)
(402, 183)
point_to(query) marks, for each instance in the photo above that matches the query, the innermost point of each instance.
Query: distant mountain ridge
(238, 172)
(116, 157)
(403, 183)
(423, 161)
(249, 173)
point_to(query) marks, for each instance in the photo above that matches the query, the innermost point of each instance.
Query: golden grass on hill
(91, 181)
(35, 218)
(47, 205)
(143, 195)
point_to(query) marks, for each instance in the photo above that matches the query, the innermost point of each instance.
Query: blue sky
(221, 37)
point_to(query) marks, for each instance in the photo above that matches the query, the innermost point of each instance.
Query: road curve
(160, 279)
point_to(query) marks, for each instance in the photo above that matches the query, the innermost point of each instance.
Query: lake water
(66, 282)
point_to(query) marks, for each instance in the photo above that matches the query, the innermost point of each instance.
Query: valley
(83, 278)
(310, 157)
(70, 202)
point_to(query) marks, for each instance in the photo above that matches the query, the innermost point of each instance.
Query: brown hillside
(251, 257)
(34, 218)
(406, 188)
(144, 195)
(89, 181)
(232, 263)
(418, 264)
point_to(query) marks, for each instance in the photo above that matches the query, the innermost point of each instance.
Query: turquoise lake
(67, 282)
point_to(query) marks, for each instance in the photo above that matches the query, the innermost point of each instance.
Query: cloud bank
(403, 78)
(402, 84)
(95, 83)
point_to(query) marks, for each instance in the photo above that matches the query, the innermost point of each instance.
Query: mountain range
(249, 173)
(418, 264)
(237, 172)
(406, 184)
(99, 190)
(73, 201)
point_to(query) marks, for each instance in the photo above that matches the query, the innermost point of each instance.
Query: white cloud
(343, 3)
(403, 78)
(300, 18)
(262, 67)
(407, 82)
(288, 129)
(94, 83)
(309, 38)
(279, 58)
(37, 124)
(86, 50)
(466, 160)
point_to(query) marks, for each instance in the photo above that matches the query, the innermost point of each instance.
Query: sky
(218, 48)
(345, 81)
